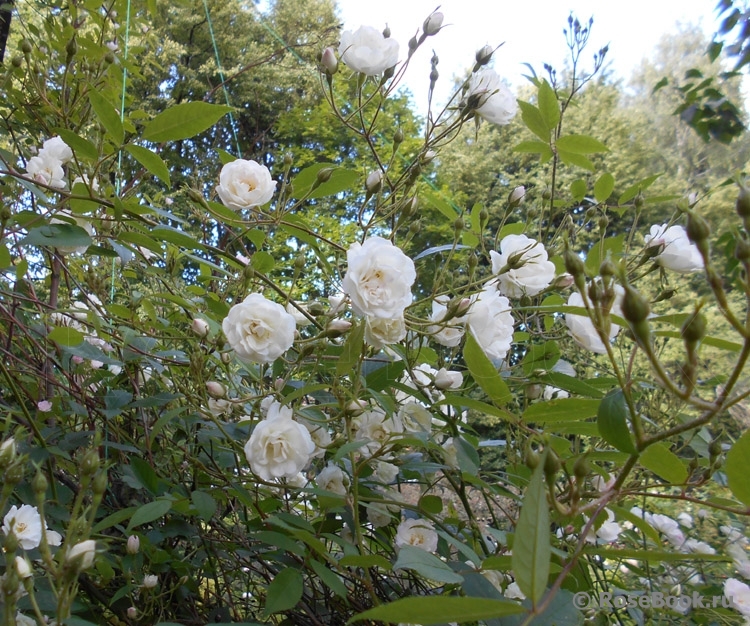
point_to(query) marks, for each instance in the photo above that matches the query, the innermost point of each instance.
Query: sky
(530, 31)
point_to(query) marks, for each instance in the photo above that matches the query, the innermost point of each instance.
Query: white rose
(445, 379)
(57, 149)
(582, 328)
(245, 184)
(320, 435)
(419, 533)
(23, 567)
(150, 581)
(677, 252)
(82, 554)
(491, 98)
(450, 453)
(608, 532)
(385, 472)
(299, 317)
(332, 478)
(513, 592)
(381, 332)
(46, 170)
(491, 323)
(279, 447)
(375, 429)
(698, 547)
(524, 266)
(259, 330)
(415, 418)
(26, 525)
(25, 620)
(450, 333)
(738, 594)
(378, 278)
(367, 51)
(378, 514)
(219, 406)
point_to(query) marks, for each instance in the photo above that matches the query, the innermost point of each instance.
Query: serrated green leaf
(429, 610)
(534, 147)
(262, 261)
(531, 544)
(149, 512)
(341, 179)
(65, 336)
(284, 591)
(737, 468)
(664, 463)
(151, 161)
(534, 121)
(426, 564)
(549, 107)
(603, 187)
(484, 373)
(612, 422)
(183, 121)
(108, 115)
(580, 144)
(578, 189)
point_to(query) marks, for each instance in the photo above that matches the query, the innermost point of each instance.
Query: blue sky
(531, 30)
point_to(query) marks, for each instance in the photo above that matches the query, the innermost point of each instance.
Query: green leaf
(534, 147)
(65, 336)
(573, 158)
(142, 469)
(284, 591)
(82, 148)
(431, 504)
(108, 115)
(330, 578)
(151, 161)
(598, 253)
(57, 236)
(562, 410)
(531, 545)
(176, 237)
(604, 186)
(484, 373)
(465, 402)
(570, 384)
(446, 208)
(204, 503)
(467, 456)
(580, 144)
(352, 350)
(149, 512)
(428, 610)
(612, 421)
(578, 189)
(426, 564)
(541, 356)
(366, 560)
(632, 191)
(737, 468)
(549, 107)
(341, 179)
(664, 463)
(5, 259)
(534, 120)
(183, 121)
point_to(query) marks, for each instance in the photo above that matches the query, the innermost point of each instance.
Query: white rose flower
(582, 328)
(57, 149)
(375, 429)
(490, 321)
(378, 278)
(738, 594)
(450, 453)
(23, 567)
(150, 581)
(279, 447)
(378, 514)
(450, 333)
(491, 98)
(380, 331)
(699, 547)
(259, 330)
(26, 525)
(524, 266)
(513, 592)
(415, 418)
(446, 379)
(419, 533)
(299, 317)
(385, 472)
(245, 184)
(82, 554)
(667, 526)
(332, 478)
(320, 435)
(608, 532)
(367, 51)
(219, 406)
(25, 620)
(677, 252)
(47, 171)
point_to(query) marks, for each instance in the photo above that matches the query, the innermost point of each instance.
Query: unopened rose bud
(516, 196)
(742, 250)
(694, 328)
(428, 157)
(339, 325)
(215, 389)
(484, 55)
(39, 483)
(607, 268)
(132, 612)
(692, 199)
(433, 23)
(533, 391)
(150, 581)
(279, 384)
(355, 407)
(563, 281)
(81, 556)
(329, 61)
(445, 379)
(7, 452)
(324, 175)
(23, 568)
(386, 32)
(743, 203)
(226, 358)
(374, 182)
(463, 306)
(200, 327)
